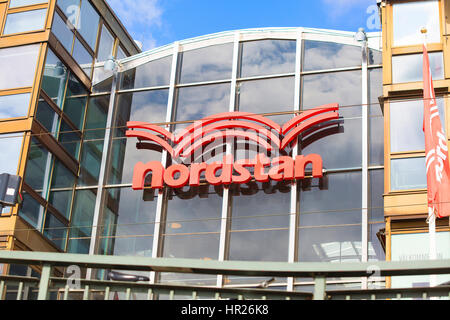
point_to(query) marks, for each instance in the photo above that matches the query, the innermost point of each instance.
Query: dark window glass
(18, 65)
(376, 251)
(55, 76)
(25, 21)
(75, 101)
(70, 139)
(266, 57)
(62, 201)
(129, 224)
(195, 103)
(62, 32)
(31, 211)
(376, 189)
(55, 231)
(13, 106)
(148, 106)
(88, 23)
(260, 219)
(151, 74)
(338, 87)
(47, 116)
(207, 64)
(265, 96)
(62, 177)
(319, 55)
(96, 118)
(38, 166)
(90, 161)
(330, 218)
(81, 222)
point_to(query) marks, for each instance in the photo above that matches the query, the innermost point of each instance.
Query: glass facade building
(64, 115)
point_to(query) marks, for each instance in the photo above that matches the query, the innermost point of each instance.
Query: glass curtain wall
(252, 221)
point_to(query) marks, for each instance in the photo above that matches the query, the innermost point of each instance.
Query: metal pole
(45, 281)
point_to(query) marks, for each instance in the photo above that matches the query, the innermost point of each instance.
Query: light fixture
(361, 36)
(110, 64)
(60, 69)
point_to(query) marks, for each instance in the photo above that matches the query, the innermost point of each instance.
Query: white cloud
(140, 17)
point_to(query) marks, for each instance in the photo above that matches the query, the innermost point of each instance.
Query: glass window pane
(13, 106)
(410, 18)
(376, 203)
(62, 32)
(408, 68)
(55, 231)
(82, 57)
(90, 161)
(62, 177)
(48, 118)
(25, 21)
(81, 222)
(62, 201)
(22, 3)
(106, 45)
(75, 101)
(192, 229)
(38, 166)
(71, 9)
(11, 146)
(18, 65)
(152, 74)
(97, 113)
(54, 80)
(148, 106)
(260, 219)
(266, 57)
(120, 53)
(319, 55)
(338, 87)
(330, 218)
(70, 139)
(265, 96)
(408, 174)
(338, 143)
(407, 124)
(125, 154)
(376, 119)
(132, 225)
(207, 64)
(31, 211)
(413, 247)
(195, 103)
(102, 80)
(88, 23)
(376, 251)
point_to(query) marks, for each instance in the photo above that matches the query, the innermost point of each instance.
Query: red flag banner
(437, 163)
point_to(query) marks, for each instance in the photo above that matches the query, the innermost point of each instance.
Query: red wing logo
(242, 125)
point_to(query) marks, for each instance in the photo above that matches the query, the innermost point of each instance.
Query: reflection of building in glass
(64, 120)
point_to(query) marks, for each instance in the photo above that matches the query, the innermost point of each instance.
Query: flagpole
(431, 220)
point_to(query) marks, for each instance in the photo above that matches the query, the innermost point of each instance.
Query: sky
(159, 22)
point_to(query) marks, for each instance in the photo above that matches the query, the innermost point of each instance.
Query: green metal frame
(318, 271)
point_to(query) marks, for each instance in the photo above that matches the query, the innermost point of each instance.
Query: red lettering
(196, 170)
(261, 163)
(244, 174)
(302, 161)
(169, 176)
(226, 174)
(141, 170)
(283, 169)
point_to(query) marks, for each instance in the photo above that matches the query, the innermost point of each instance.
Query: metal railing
(105, 289)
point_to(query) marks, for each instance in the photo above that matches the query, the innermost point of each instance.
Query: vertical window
(13, 106)
(62, 32)
(18, 66)
(408, 174)
(409, 18)
(408, 67)
(88, 23)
